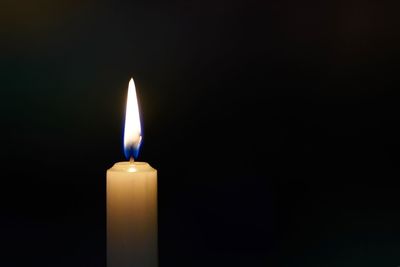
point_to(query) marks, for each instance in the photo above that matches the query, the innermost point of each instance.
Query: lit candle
(132, 200)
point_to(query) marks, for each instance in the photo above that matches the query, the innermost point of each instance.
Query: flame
(133, 131)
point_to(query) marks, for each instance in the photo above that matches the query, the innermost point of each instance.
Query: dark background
(274, 126)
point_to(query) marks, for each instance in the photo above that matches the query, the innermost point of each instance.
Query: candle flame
(133, 131)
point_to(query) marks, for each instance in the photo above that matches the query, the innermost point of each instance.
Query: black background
(274, 126)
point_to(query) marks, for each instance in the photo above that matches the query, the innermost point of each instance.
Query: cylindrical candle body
(132, 215)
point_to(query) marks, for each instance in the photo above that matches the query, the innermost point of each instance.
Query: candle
(132, 200)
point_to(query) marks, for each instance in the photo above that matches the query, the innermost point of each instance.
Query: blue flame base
(131, 152)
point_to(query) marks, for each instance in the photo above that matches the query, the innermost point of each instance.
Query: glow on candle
(133, 130)
(132, 239)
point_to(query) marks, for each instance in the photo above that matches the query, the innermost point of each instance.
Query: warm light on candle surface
(133, 131)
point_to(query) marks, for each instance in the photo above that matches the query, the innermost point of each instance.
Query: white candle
(132, 201)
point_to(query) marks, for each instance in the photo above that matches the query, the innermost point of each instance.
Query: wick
(131, 160)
